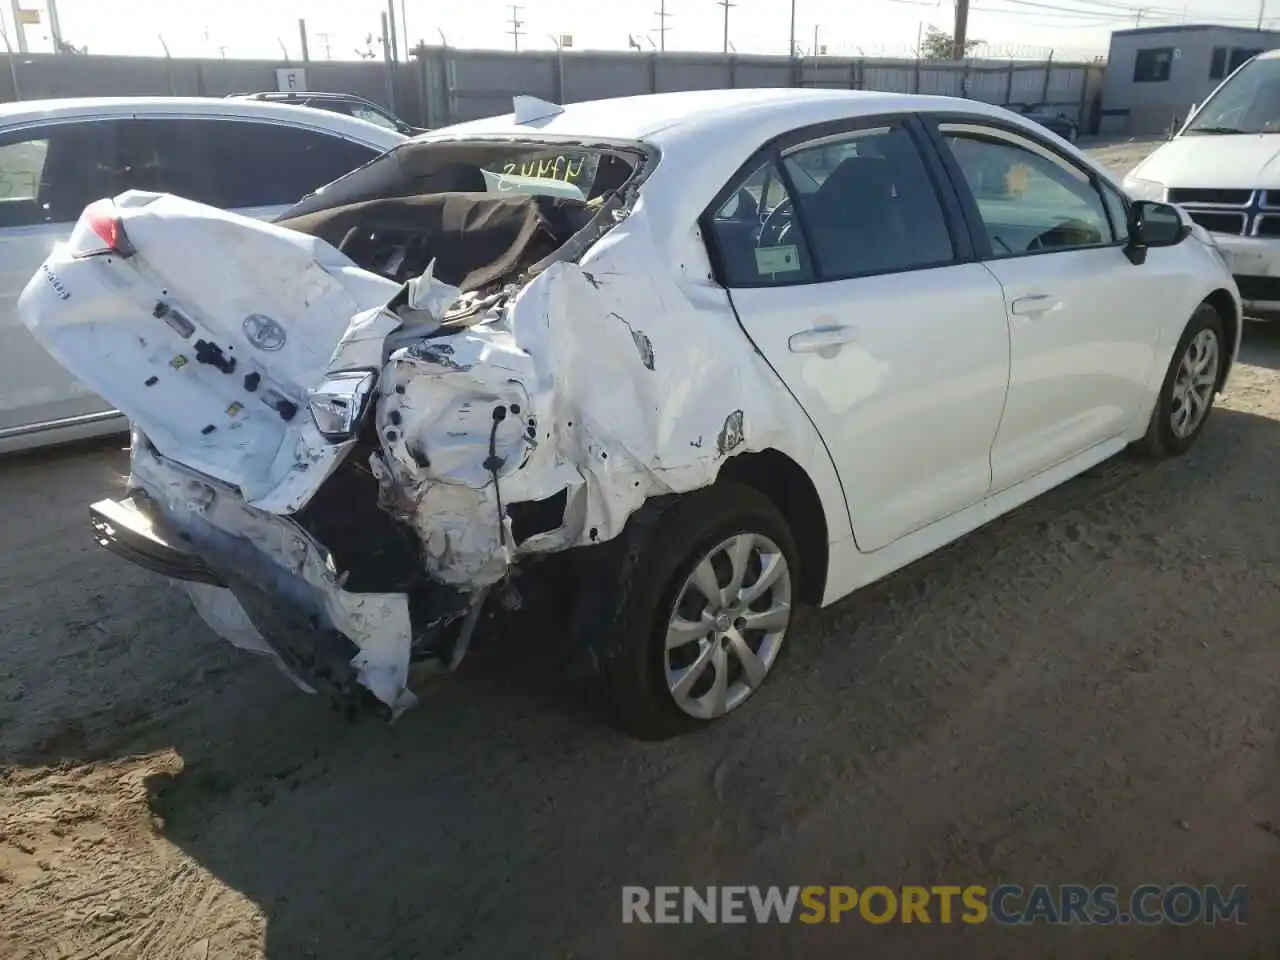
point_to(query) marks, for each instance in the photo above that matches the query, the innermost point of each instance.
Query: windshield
(1249, 102)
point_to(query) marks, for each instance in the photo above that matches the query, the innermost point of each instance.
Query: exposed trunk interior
(476, 239)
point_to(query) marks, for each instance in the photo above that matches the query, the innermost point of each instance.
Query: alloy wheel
(1194, 384)
(727, 626)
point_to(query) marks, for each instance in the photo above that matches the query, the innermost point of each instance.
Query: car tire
(658, 691)
(1189, 388)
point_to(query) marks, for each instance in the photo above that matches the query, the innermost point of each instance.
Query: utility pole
(792, 48)
(1137, 20)
(327, 40)
(516, 24)
(404, 28)
(962, 28)
(662, 25)
(302, 35)
(388, 33)
(1262, 8)
(815, 39)
(392, 30)
(18, 28)
(55, 25)
(726, 4)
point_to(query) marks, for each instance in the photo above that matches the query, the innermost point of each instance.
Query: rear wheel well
(789, 488)
(1223, 302)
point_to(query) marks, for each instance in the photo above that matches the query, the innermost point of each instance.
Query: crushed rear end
(349, 426)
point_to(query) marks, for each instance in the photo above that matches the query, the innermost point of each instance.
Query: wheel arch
(1232, 322)
(789, 488)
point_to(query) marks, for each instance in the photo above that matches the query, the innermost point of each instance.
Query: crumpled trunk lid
(209, 338)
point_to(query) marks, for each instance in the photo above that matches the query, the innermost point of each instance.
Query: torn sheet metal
(584, 382)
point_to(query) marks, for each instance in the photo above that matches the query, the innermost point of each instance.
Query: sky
(337, 28)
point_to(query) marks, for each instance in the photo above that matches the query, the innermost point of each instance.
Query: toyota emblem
(263, 332)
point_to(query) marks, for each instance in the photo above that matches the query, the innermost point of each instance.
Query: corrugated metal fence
(445, 85)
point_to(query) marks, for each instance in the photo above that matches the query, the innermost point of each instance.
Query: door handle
(1035, 304)
(821, 338)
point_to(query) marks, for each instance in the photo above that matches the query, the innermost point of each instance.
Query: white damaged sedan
(701, 358)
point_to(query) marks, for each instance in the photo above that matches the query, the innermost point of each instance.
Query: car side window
(756, 234)
(51, 174)
(1030, 199)
(170, 155)
(368, 114)
(267, 165)
(868, 204)
(1117, 210)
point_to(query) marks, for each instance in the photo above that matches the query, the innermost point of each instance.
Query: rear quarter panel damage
(619, 379)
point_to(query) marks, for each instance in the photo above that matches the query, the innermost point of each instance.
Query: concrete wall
(1153, 107)
(445, 85)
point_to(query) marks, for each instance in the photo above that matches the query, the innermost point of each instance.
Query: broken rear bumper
(121, 527)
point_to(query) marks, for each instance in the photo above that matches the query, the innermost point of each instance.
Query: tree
(937, 45)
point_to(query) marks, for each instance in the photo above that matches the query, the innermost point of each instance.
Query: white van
(1223, 168)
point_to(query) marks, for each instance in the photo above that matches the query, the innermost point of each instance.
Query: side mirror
(1153, 224)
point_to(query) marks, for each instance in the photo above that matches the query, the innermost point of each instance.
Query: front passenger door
(845, 268)
(1083, 320)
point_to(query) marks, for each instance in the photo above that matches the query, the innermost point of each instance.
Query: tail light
(99, 232)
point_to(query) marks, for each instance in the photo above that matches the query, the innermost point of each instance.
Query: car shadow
(502, 815)
(1260, 345)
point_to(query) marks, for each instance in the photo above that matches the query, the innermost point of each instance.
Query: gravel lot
(1085, 691)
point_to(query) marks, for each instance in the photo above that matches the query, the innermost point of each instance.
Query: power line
(516, 24)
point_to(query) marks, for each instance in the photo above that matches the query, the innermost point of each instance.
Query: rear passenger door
(254, 168)
(848, 266)
(48, 174)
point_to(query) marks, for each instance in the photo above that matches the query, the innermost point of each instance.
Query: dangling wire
(493, 463)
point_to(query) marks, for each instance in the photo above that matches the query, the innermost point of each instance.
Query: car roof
(302, 95)
(708, 114)
(86, 108)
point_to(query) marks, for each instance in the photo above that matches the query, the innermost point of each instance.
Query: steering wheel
(776, 225)
(1062, 234)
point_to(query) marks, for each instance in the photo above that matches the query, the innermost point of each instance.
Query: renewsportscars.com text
(1006, 904)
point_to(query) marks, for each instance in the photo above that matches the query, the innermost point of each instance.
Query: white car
(728, 381)
(1221, 168)
(57, 156)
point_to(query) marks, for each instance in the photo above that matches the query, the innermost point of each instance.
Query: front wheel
(704, 608)
(1189, 387)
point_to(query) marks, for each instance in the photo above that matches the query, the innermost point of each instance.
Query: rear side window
(170, 156)
(368, 114)
(51, 174)
(868, 204)
(861, 203)
(233, 163)
(756, 234)
(266, 165)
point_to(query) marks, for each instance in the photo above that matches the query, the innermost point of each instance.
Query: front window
(1030, 200)
(1249, 102)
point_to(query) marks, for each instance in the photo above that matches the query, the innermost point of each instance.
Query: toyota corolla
(776, 345)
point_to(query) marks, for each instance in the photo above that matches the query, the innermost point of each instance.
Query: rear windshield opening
(483, 211)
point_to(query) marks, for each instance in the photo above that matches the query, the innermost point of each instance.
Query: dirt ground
(1086, 691)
